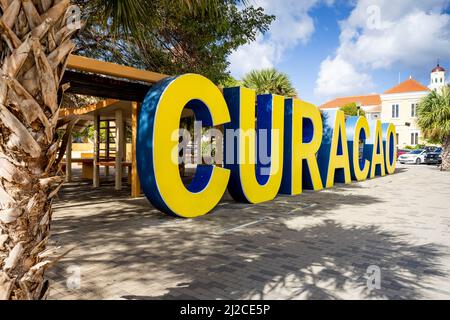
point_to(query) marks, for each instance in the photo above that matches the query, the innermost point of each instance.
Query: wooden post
(135, 183)
(124, 145)
(107, 145)
(69, 159)
(219, 147)
(119, 148)
(96, 174)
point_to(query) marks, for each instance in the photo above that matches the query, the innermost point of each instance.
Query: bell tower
(437, 78)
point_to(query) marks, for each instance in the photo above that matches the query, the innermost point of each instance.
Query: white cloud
(385, 34)
(258, 54)
(337, 76)
(292, 26)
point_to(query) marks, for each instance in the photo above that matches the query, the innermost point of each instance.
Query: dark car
(434, 157)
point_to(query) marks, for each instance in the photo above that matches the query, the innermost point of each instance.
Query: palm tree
(269, 81)
(34, 49)
(434, 120)
(230, 82)
(130, 17)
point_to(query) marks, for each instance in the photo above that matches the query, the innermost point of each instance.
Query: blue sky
(332, 48)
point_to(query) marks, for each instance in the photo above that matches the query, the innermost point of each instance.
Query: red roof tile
(370, 100)
(409, 85)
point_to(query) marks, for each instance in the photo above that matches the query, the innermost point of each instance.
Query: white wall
(404, 100)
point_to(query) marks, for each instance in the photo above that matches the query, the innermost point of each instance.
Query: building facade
(371, 104)
(397, 105)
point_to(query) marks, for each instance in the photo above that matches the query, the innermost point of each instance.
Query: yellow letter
(333, 154)
(159, 118)
(390, 150)
(251, 180)
(376, 151)
(358, 131)
(302, 140)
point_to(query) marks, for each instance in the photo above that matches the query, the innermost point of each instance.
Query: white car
(415, 156)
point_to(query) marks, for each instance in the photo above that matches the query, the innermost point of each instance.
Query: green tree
(174, 39)
(351, 109)
(434, 120)
(269, 81)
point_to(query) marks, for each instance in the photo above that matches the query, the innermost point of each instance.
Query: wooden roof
(106, 110)
(111, 69)
(108, 80)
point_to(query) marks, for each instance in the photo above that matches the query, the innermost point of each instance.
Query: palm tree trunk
(446, 155)
(35, 44)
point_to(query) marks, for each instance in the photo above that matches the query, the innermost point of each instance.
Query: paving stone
(128, 250)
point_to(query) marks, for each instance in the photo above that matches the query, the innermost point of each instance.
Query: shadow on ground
(207, 258)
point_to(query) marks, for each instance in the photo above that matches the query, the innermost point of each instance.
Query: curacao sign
(307, 149)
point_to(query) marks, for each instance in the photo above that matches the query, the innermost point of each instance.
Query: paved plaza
(318, 245)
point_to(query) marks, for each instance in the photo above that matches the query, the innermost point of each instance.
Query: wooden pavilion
(123, 89)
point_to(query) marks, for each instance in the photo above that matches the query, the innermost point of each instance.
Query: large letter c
(158, 119)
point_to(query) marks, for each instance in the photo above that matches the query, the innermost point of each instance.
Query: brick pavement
(314, 246)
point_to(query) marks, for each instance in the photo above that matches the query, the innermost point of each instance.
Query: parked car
(434, 157)
(402, 152)
(415, 156)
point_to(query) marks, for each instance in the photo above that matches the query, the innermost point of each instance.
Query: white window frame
(414, 138)
(395, 111)
(414, 106)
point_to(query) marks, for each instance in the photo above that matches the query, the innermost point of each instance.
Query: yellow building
(399, 106)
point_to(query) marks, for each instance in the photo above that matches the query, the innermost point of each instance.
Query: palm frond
(434, 115)
(132, 17)
(269, 81)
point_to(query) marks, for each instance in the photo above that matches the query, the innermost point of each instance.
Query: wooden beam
(66, 112)
(135, 183)
(96, 174)
(112, 69)
(105, 87)
(119, 148)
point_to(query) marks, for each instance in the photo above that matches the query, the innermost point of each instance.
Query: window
(414, 110)
(397, 137)
(441, 80)
(414, 138)
(395, 111)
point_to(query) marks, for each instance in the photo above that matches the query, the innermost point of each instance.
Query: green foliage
(123, 16)
(130, 17)
(269, 81)
(434, 115)
(230, 82)
(351, 109)
(173, 37)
